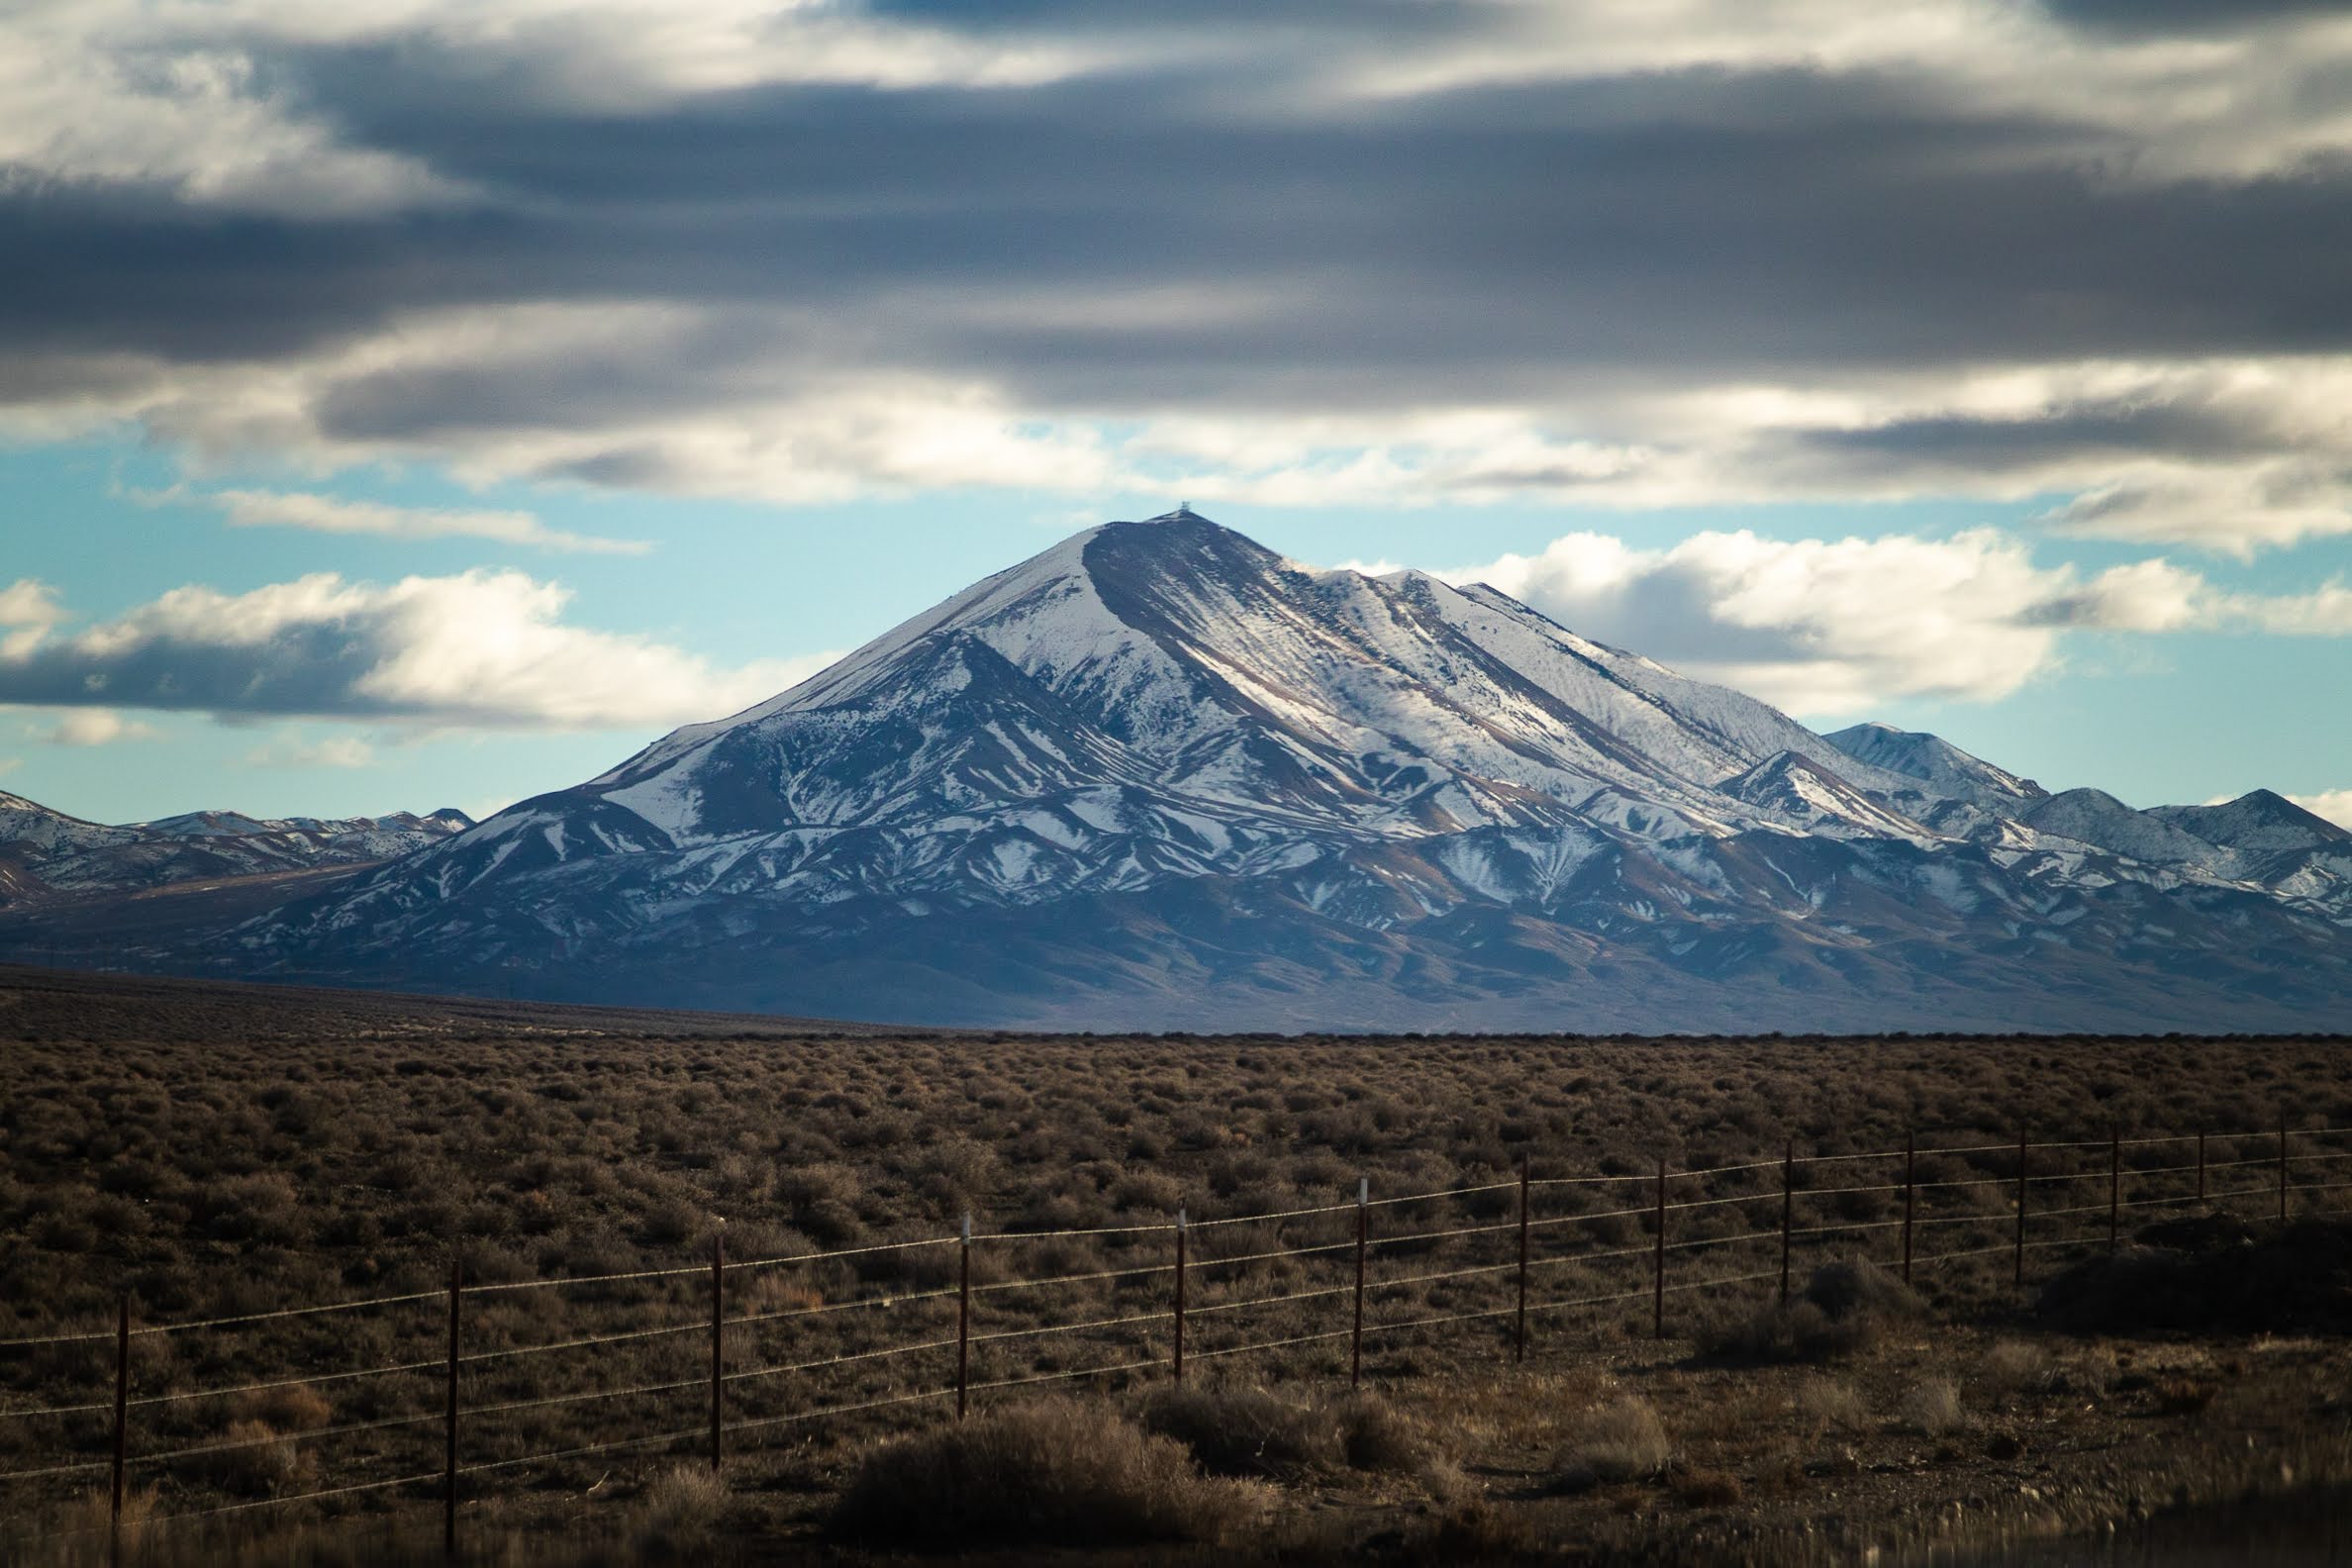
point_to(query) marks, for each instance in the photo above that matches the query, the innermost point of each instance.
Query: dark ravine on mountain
(1158, 778)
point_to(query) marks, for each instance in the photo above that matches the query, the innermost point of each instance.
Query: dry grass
(1621, 1440)
(1055, 1474)
(221, 1151)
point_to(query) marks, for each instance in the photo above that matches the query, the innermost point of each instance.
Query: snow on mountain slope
(51, 852)
(2093, 817)
(1939, 764)
(1159, 762)
(2259, 822)
(1810, 798)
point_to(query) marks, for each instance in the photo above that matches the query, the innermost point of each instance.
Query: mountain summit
(1159, 776)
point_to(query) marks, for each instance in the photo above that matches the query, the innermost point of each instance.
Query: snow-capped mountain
(45, 851)
(1159, 776)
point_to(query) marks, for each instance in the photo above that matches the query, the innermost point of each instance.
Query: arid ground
(219, 1153)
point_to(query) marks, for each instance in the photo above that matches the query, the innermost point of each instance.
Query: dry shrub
(1375, 1435)
(1621, 1440)
(297, 1408)
(2013, 1365)
(1826, 1406)
(1932, 1409)
(1844, 1308)
(678, 1513)
(1234, 1431)
(256, 1461)
(1056, 1474)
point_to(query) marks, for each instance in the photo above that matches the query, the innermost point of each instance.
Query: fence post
(1355, 1346)
(2114, 1186)
(1788, 1211)
(1179, 1296)
(717, 1340)
(449, 1428)
(121, 1418)
(1658, 1262)
(1911, 1172)
(2201, 1185)
(1520, 1347)
(2282, 1170)
(963, 1319)
(2017, 1270)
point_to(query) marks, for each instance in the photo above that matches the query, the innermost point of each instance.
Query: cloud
(330, 514)
(1668, 252)
(2334, 805)
(9, 766)
(1832, 626)
(292, 752)
(27, 609)
(94, 726)
(482, 648)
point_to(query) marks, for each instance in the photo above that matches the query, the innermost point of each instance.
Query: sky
(428, 403)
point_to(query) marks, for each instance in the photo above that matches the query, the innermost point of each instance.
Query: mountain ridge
(1174, 775)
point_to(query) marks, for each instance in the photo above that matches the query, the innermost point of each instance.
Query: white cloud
(9, 766)
(27, 609)
(332, 752)
(330, 514)
(2334, 805)
(94, 726)
(481, 648)
(1833, 627)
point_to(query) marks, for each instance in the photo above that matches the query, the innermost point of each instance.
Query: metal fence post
(449, 1427)
(963, 1319)
(1520, 1341)
(718, 1342)
(1788, 1211)
(2017, 1270)
(121, 1418)
(2282, 1170)
(1356, 1347)
(2114, 1186)
(1911, 1173)
(1658, 1262)
(2201, 1168)
(1180, 1232)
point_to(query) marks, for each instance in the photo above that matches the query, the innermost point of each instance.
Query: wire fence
(459, 1369)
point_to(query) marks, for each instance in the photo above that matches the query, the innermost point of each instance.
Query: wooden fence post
(1355, 1346)
(449, 1427)
(963, 1319)
(1520, 1342)
(1658, 1262)
(122, 1419)
(1788, 1211)
(718, 1342)
(1911, 1173)
(2019, 1270)
(2114, 1186)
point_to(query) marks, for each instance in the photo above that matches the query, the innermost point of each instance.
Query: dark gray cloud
(1208, 219)
(2187, 16)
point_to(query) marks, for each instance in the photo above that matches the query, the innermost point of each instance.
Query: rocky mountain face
(1160, 777)
(44, 852)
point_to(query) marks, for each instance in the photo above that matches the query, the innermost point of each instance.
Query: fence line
(1660, 1185)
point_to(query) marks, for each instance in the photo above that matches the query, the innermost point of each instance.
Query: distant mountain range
(46, 852)
(1159, 777)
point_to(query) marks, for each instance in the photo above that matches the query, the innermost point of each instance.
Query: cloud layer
(482, 648)
(1828, 627)
(1665, 252)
